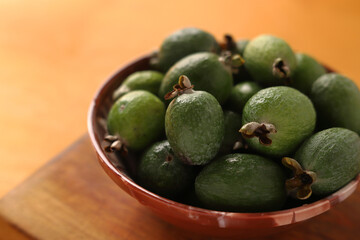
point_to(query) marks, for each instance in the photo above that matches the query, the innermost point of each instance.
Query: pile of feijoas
(244, 126)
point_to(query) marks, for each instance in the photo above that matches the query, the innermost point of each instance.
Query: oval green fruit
(240, 94)
(182, 43)
(142, 80)
(194, 126)
(137, 119)
(306, 73)
(206, 72)
(242, 183)
(337, 102)
(161, 172)
(333, 155)
(277, 119)
(269, 60)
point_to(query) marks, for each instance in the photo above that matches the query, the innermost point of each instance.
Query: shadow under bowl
(194, 219)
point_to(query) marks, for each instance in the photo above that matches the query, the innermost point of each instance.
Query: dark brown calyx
(169, 158)
(281, 70)
(260, 130)
(114, 143)
(184, 86)
(231, 61)
(229, 43)
(300, 184)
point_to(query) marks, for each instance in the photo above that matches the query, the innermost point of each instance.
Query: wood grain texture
(72, 198)
(55, 54)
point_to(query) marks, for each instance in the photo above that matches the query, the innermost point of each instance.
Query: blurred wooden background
(55, 54)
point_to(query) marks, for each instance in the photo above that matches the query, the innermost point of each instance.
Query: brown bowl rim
(332, 199)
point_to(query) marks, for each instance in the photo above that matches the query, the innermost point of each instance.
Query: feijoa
(328, 161)
(142, 80)
(182, 43)
(136, 119)
(242, 182)
(269, 60)
(337, 102)
(277, 119)
(161, 172)
(194, 124)
(240, 94)
(206, 72)
(306, 72)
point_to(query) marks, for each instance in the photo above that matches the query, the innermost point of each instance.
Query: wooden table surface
(72, 198)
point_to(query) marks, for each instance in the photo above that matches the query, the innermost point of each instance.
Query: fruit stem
(229, 44)
(281, 70)
(260, 130)
(114, 143)
(183, 87)
(301, 183)
(231, 61)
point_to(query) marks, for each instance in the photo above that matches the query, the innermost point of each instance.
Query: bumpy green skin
(337, 102)
(306, 73)
(206, 73)
(334, 155)
(232, 123)
(161, 172)
(241, 45)
(194, 126)
(242, 182)
(260, 55)
(240, 94)
(141, 80)
(137, 118)
(182, 43)
(290, 111)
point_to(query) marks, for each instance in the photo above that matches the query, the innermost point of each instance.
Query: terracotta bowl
(203, 221)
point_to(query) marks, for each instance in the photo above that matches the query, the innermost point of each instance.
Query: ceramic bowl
(202, 221)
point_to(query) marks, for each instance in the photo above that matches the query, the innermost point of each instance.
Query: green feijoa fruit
(232, 137)
(136, 119)
(269, 60)
(206, 72)
(324, 163)
(242, 183)
(161, 172)
(277, 119)
(241, 45)
(194, 125)
(182, 43)
(337, 102)
(240, 94)
(142, 80)
(306, 72)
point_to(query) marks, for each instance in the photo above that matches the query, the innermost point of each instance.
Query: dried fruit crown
(260, 130)
(183, 86)
(301, 183)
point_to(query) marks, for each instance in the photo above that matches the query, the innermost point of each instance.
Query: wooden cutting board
(71, 197)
